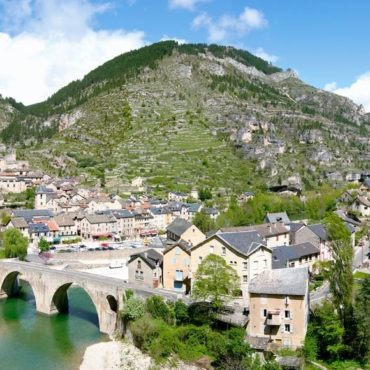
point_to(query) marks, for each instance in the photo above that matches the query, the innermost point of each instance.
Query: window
(141, 275)
(177, 250)
(245, 265)
(185, 261)
(174, 260)
(286, 300)
(200, 259)
(287, 328)
(223, 251)
(265, 263)
(139, 265)
(287, 314)
(265, 313)
(211, 249)
(179, 275)
(245, 278)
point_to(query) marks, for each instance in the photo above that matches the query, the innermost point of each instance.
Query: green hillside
(184, 116)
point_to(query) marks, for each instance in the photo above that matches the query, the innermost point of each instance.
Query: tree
(15, 244)
(203, 221)
(5, 218)
(328, 330)
(361, 343)
(215, 281)
(204, 194)
(158, 308)
(43, 245)
(340, 276)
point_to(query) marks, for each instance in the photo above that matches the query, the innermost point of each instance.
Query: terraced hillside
(191, 116)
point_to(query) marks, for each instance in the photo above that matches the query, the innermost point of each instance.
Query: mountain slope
(193, 115)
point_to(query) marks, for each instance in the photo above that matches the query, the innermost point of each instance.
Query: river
(29, 340)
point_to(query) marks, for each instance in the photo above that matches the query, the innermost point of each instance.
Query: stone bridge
(50, 288)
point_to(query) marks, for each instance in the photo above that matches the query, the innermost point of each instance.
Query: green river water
(32, 341)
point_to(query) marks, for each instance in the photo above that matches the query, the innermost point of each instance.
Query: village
(154, 243)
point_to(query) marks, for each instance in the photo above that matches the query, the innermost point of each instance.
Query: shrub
(181, 312)
(158, 308)
(143, 330)
(133, 309)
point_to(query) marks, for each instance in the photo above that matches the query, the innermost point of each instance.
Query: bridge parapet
(50, 288)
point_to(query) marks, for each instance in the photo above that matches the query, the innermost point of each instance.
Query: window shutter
(291, 314)
(291, 328)
(262, 317)
(282, 328)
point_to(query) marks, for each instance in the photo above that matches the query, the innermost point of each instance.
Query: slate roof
(277, 217)
(367, 182)
(363, 200)
(350, 227)
(99, 219)
(281, 255)
(19, 222)
(123, 214)
(64, 220)
(319, 230)
(211, 211)
(44, 190)
(295, 226)
(286, 281)
(38, 228)
(265, 230)
(182, 244)
(260, 343)
(346, 218)
(178, 226)
(193, 207)
(245, 242)
(159, 211)
(151, 257)
(29, 214)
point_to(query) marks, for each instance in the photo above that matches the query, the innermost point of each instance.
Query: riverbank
(116, 355)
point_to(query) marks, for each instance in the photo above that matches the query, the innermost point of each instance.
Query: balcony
(273, 318)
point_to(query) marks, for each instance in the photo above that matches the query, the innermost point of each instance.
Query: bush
(133, 309)
(158, 309)
(181, 312)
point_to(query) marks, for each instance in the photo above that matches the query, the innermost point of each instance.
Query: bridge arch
(9, 286)
(113, 303)
(106, 306)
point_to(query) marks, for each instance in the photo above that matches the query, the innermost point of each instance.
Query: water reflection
(33, 341)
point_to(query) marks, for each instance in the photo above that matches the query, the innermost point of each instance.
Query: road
(359, 257)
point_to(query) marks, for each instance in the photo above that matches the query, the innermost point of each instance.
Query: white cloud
(260, 52)
(229, 26)
(185, 4)
(51, 43)
(358, 91)
(178, 40)
(331, 86)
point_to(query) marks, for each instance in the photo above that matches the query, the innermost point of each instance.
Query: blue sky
(47, 43)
